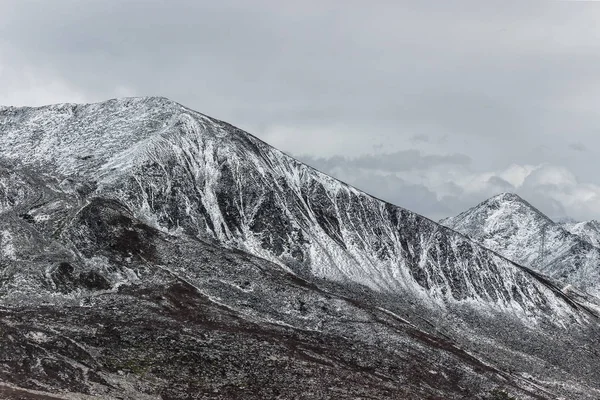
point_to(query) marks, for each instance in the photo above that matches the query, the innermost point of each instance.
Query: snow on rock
(587, 230)
(185, 172)
(7, 248)
(514, 228)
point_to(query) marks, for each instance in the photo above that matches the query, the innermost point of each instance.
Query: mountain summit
(520, 232)
(155, 251)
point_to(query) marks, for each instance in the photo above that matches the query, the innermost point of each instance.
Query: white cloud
(550, 175)
(440, 190)
(516, 174)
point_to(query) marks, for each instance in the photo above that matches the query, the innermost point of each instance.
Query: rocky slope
(153, 251)
(587, 230)
(514, 228)
(185, 173)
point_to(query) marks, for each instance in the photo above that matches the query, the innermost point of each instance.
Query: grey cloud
(483, 86)
(452, 188)
(420, 138)
(404, 160)
(577, 146)
(501, 184)
(396, 191)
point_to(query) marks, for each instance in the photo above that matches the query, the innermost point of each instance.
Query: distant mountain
(150, 250)
(514, 228)
(587, 230)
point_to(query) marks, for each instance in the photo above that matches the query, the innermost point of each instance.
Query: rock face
(149, 250)
(514, 228)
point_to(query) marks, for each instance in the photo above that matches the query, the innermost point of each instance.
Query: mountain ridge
(198, 153)
(167, 101)
(513, 227)
(587, 230)
(102, 206)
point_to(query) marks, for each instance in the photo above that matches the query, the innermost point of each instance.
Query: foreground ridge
(135, 213)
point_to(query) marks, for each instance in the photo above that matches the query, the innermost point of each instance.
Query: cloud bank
(431, 105)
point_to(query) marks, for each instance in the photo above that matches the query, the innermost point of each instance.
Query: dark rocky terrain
(149, 251)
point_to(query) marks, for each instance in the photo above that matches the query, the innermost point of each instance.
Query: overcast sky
(431, 105)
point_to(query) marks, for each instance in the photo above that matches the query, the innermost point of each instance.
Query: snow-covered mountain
(514, 228)
(184, 172)
(143, 210)
(587, 230)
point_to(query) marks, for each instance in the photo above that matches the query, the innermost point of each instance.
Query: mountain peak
(506, 196)
(82, 138)
(125, 101)
(510, 225)
(495, 211)
(509, 204)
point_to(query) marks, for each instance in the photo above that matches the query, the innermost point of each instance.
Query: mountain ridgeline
(184, 172)
(514, 228)
(587, 230)
(176, 218)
